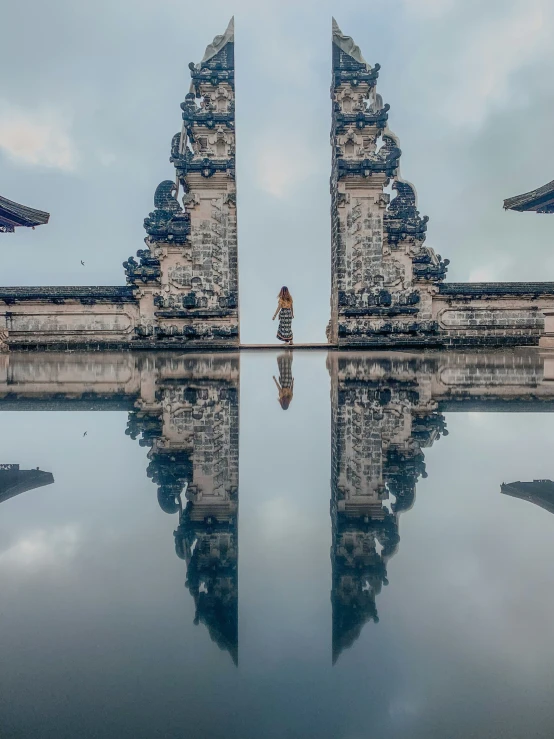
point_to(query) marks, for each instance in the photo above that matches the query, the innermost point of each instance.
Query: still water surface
(208, 564)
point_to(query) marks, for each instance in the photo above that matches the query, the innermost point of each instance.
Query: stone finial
(219, 42)
(347, 45)
(218, 62)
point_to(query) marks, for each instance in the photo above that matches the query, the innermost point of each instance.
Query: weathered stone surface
(187, 277)
(380, 266)
(388, 288)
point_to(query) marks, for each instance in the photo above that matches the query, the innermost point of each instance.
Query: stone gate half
(182, 289)
(187, 278)
(387, 287)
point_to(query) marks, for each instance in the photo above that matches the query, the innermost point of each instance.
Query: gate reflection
(386, 409)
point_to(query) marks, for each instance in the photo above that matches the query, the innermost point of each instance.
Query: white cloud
(491, 272)
(41, 549)
(490, 55)
(284, 162)
(38, 137)
(428, 8)
(106, 158)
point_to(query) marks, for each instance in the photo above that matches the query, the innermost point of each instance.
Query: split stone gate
(387, 287)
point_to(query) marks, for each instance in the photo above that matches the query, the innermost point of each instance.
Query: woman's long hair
(285, 298)
(285, 399)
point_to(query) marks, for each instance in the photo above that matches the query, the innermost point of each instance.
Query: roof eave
(539, 199)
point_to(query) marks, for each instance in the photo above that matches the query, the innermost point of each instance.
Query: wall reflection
(539, 492)
(191, 424)
(386, 410)
(285, 383)
(14, 481)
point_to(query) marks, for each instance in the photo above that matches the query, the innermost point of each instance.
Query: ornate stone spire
(382, 274)
(381, 420)
(187, 277)
(192, 429)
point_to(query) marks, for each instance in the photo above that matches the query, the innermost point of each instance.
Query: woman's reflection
(285, 386)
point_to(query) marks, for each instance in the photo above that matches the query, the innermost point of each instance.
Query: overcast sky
(90, 100)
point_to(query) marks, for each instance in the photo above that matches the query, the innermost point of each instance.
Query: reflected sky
(204, 564)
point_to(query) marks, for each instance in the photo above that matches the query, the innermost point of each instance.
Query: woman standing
(286, 314)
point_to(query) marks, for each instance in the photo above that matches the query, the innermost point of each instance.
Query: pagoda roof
(540, 200)
(13, 215)
(539, 492)
(14, 481)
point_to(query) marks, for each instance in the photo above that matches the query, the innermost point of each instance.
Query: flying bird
(82, 263)
(86, 432)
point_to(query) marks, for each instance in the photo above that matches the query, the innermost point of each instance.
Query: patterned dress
(286, 380)
(284, 362)
(284, 332)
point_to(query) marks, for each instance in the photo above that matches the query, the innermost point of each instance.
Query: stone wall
(494, 314)
(67, 317)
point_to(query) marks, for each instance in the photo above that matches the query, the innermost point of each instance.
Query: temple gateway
(387, 287)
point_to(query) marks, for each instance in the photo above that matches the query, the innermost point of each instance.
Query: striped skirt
(284, 332)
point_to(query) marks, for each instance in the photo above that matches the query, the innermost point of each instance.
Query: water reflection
(285, 384)
(539, 492)
(386, 409)
(191, 424)
(14, 481)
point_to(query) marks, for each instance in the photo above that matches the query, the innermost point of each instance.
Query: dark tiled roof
(85, 402)
(14, 481)
(540, 200)
(107, 292)
(540, 492)
(13, 215)
(485, 289)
